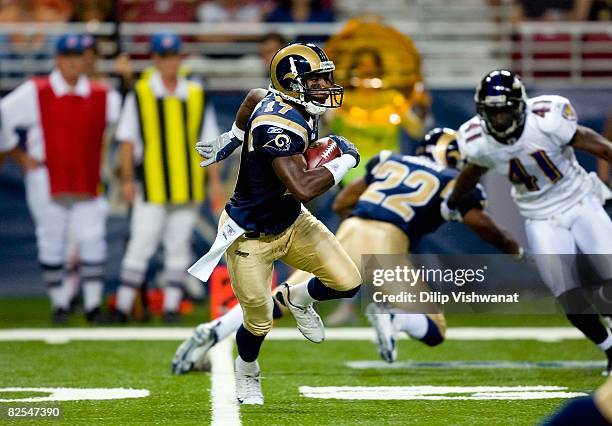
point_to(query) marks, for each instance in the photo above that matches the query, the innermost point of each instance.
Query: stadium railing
(455, 52)
(574, 53)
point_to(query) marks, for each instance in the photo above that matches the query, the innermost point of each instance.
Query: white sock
(229, 322)
(299, 296)
(415, 325)
(606, 344)
(172, 298)
(125, 298)
(92, 294)
(59, 297)
(246, 367)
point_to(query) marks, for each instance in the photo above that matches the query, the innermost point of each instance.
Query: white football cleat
(248, 385)
(385, 332)
(308, 321)
(192, 354)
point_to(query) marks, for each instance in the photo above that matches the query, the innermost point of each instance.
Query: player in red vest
(65, 116)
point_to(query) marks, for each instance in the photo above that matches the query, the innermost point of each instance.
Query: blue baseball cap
(165, 43)
(69, 43)
(88, 41)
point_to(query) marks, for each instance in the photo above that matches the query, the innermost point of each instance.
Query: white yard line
(468, 365)
(225, 408)
(64, 335)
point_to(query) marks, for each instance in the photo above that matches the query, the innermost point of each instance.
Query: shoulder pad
(280, 123)
(470, 136)
(550, 111)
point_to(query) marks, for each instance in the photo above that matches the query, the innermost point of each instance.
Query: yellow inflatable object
(380, 70)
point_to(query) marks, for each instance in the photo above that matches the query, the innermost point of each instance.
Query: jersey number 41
(518, 174)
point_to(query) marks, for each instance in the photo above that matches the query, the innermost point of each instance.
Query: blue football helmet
(292, 65)
(501, 104)
(440, 145)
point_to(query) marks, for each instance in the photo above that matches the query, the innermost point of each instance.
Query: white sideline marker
(224, 406)
(438, 393)
(75, 394)
(64, 335)
(470, 365)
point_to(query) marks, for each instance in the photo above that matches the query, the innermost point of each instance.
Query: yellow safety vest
(169, 128)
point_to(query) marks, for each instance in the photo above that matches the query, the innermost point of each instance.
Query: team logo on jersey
(274, 130)
(568, 112)
(279, 143)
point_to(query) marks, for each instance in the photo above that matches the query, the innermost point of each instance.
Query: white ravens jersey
(545, 175)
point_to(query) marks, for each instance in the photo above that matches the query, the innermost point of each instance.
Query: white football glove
(220, 148)
(448, 214)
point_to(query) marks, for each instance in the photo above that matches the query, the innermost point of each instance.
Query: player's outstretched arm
(222, 147)
(466, 181)
(348, 197)
(481, 223)
(592, 142)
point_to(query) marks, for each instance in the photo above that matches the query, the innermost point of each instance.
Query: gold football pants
(306, 245)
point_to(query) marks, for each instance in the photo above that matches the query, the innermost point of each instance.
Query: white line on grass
(63, 335)
(437, 393)
(225, 409)
(466, 365)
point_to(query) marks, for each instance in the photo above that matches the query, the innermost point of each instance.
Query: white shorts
(154, 223)
(82, 221)
(584, 228)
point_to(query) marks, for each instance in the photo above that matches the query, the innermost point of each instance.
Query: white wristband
(237, 132)
(339, 167)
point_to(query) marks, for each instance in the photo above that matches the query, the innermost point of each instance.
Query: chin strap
(311, 108)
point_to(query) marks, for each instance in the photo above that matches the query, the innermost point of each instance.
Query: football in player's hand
(321, 152)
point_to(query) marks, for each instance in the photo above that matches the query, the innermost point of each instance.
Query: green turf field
(289, 364)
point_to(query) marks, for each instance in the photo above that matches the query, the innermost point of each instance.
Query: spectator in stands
(18, 51)
(157, 10)
(542, 10)
(93, 10)
(35, 10)
(220, 11)
(269, 44)
(65, 115)
(301, 11)
(162, 119)
(593, 10)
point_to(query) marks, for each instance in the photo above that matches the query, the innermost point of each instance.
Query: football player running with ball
(532, 141)
(377, 223)
(265, 220)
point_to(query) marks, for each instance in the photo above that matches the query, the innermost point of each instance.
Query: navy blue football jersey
(261, 201)
(407, 192)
